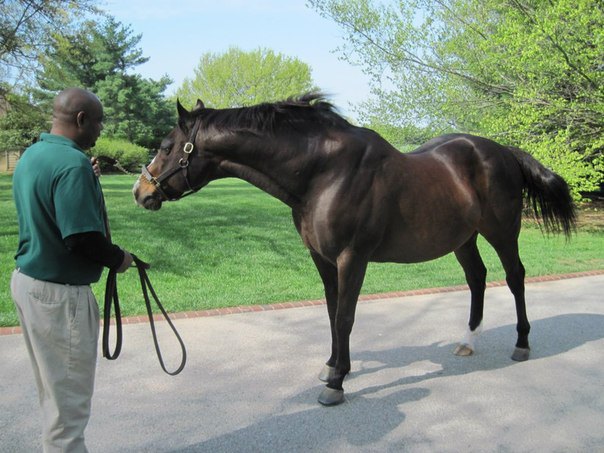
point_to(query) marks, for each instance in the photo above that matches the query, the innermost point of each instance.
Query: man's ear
(80, 118)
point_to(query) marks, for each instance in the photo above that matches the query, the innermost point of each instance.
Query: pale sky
(176, 33)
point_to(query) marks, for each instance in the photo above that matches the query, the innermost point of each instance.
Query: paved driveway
(250, 383)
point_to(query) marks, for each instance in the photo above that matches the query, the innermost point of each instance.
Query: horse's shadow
(549, 337)
(318, 428)
(315, 428)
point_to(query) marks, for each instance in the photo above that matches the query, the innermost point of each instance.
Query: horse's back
(489, 165)
(444, 192)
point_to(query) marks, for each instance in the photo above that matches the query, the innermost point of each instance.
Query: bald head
(69, 102)
(78, 115)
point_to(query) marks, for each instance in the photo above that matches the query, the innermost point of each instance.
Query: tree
(21, 122)
(238, 78)
(24, 28)
(100, 57)
(24, 25)
(526, 72)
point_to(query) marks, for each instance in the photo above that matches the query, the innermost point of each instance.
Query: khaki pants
(60, 326)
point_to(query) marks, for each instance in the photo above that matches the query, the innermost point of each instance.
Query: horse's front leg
(351, 273)
(329, 277)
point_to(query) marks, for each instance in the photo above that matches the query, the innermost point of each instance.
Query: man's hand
(126, 262)
(95, 166)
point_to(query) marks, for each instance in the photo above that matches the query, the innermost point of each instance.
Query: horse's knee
(344, 326)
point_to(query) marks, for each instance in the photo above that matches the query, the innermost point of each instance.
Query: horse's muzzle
(151, 202)
(148, 200)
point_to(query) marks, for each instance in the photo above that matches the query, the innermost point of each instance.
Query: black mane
(305, 112)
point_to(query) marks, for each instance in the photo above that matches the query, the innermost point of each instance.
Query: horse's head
(180, 167)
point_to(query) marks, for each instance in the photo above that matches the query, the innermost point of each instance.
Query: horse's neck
(261, 180)
(259, 164)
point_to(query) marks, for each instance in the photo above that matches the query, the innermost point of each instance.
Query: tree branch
(414, 59)
(524, 10)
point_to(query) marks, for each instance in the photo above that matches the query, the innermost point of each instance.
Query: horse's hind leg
(476, 273)
(514, 276)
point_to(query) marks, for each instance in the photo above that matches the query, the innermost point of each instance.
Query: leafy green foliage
(128, 155)
(21, 124)
(24, 25)
(135, 109)
(527, 73)
(404, 138)
(238, 78)
(99, 57)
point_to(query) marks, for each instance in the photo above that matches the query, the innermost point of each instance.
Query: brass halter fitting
(188, 148)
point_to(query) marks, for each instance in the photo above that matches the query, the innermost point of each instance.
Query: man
(62, 249)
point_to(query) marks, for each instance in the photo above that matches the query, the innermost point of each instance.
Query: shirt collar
(59, 140)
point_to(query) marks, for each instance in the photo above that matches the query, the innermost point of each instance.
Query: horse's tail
(547, 193)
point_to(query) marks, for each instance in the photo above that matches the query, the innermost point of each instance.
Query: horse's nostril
(151, 202)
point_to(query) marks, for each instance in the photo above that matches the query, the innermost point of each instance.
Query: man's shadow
(318, 428)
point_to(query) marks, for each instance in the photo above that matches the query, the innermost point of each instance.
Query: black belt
(111, 298)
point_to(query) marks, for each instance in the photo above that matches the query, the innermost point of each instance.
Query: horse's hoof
(327, 373)
(463, 350)
(331, 397)
(521, 354)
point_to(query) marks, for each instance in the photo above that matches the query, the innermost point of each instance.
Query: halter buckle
(188, 148)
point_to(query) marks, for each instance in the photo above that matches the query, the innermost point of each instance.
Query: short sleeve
(78, 202)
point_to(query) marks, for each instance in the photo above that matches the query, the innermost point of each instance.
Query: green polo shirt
(56, 194)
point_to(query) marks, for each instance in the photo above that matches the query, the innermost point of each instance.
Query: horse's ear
(182, 112)
(199, 105)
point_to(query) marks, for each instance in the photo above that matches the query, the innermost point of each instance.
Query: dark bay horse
(355, 198)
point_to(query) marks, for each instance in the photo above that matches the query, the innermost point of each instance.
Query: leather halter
(183, 164)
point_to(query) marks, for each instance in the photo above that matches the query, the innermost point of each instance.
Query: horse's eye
(166, 146)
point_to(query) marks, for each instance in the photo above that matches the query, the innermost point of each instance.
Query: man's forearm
(95, 247)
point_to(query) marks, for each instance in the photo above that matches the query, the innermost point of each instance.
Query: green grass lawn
(232, 244)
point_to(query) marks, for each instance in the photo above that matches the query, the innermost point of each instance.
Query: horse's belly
(412, 254)
(414, 243)
(416, 252)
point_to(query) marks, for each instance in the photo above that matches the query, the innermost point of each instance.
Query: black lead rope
(112, 298)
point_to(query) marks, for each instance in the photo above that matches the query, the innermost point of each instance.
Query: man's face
(91, 128)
